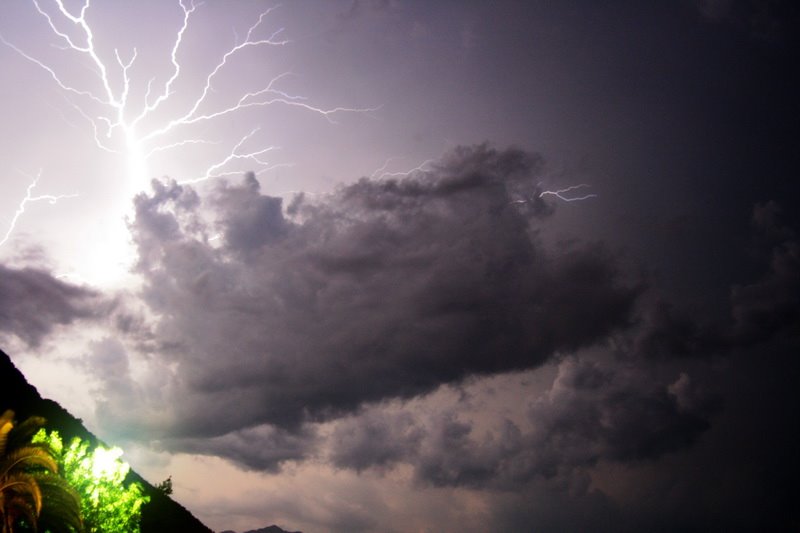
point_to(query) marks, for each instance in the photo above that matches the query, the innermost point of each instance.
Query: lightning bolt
(132, 117)
(254, 156)
(28, 199)
(121, 129)
(381, 172)
(561, 192)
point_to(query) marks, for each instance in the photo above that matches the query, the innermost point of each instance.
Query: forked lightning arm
(381, 172)
(29, 198)
(119, 118)
(560, 194)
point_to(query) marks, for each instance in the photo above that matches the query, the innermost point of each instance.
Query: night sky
(349, 300)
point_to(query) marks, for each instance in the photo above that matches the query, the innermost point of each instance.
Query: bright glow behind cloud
(136, 120)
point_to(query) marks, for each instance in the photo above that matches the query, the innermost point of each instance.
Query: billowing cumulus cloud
(33, 302)
(670, 332)
(766, 307)
(376, 438)
(384, 289)
(418, 329)
(595, 409)
(671, 411)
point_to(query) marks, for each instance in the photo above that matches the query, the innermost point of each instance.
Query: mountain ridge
(268, 529)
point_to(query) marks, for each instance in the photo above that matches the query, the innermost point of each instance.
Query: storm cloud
(33, 302)
(595, 409)
(330, 332)
(771, 305)
(384, 289)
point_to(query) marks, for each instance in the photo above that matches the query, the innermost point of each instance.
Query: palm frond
(6, 425)
(27, 459)
(21, 485)
(61, 507)
(24, 431)
(33, 497)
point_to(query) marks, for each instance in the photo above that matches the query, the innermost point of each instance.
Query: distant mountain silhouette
(269, 529)
(160, 515)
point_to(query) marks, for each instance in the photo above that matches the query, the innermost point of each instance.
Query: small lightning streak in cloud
(120, 129)
(254, 156)
(381, 172)
(29, 198)
(562, 194)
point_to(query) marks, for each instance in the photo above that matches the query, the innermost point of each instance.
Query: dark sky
(317, 336)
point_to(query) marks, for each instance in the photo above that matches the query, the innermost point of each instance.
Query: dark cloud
(108, 358)
(667, 381)
(375, 438)
(262, 321)
(597, 409)
(33, 302)
(385, 289)
(617, 411)
(452, 457)
(326, 330)
(250, 220)
(771, 305)
(760, 310)
(669, 332)
(261, 448)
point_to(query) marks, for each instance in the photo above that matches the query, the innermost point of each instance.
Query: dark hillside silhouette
(161, 514)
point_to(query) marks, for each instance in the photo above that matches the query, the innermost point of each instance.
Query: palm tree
(33, 497)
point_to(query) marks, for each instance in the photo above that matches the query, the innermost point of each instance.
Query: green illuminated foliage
(33, 497)
(108, 504)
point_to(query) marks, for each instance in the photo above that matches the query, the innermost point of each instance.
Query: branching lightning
(254, 156)
(560, 193)
(381, 172)
(121, 129)
(28, 199)
(137, 118)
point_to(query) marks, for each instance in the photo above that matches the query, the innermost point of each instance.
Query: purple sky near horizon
(441, 349)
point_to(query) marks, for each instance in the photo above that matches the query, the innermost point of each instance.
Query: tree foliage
(33, 497)
(108, 504)
(165, 486)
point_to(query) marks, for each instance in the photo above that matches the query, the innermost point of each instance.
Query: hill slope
(159, 515)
